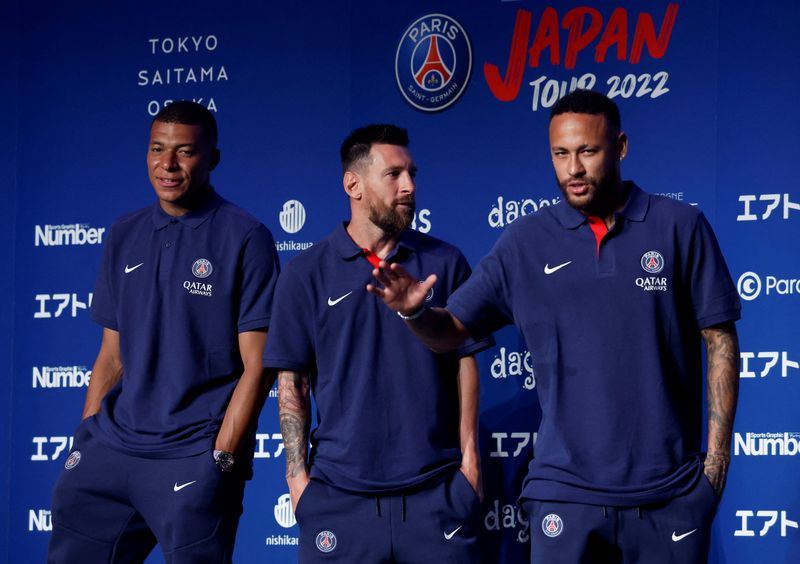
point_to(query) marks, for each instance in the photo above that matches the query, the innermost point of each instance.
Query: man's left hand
(715, 468)
(472, 473)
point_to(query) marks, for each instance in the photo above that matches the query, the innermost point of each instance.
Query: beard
(599, 197)
(391, 220)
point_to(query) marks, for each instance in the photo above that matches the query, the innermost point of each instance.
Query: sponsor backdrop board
(706, 95)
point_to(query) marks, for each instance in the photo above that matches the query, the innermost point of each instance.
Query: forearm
(241, 416)
(722, 348)
(104, 377)
(294, 409)
(106, 372)
(439, 330)
(249, 394)
(469, 399)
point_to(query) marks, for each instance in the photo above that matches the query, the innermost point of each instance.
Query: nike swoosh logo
(178, 488)
(129, 269)
(332, 302)
(449, 536)
(676, 538)
(548, 270)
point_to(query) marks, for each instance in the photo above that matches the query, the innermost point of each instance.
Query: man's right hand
(297, 485)
(401, 292)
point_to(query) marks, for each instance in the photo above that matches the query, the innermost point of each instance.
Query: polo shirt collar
(635, 208)
(347, 249)
(193, 218)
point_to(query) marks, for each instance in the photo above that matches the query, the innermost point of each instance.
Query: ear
(622, 145)
(214, 159)
(352, 184)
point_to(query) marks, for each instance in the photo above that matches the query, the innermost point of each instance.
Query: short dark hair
(589, 102)
(358, 144)
(187, 112)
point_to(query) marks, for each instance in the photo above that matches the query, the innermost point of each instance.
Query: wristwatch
(224, 460)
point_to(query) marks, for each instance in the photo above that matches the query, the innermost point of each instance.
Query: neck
(607, 208)
(369, 236)
(195, 199)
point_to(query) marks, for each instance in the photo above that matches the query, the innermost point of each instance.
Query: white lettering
(60, 377)
(40, 520)
(766, 444)
(71, 234)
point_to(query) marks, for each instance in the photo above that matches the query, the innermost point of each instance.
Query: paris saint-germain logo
(433, 62)
(326, 541)
(652, 262)
(202, 268)
(429, 295)
(73, 460)
(552, 525)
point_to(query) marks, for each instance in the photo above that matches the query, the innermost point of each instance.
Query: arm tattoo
(722, 348)
(294, 407)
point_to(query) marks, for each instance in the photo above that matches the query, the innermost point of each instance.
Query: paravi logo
(750, 286)
(433, 62)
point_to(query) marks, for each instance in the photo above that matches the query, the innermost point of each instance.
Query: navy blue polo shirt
(614, 338)
(387, 406)
(179, 290)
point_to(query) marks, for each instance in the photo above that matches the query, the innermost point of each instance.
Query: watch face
(224, 460)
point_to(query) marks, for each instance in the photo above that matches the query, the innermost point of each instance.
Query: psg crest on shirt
(652, 262)
(552, 525)
(433, 62)
(73, 459)
(326, 541)
(202, 268)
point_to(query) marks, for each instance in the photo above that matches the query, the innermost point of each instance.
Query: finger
(375, 290)
(398, 270)
(380, 276)
(428, 283)
(388, 270)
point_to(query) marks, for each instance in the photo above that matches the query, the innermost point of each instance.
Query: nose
(408, 186)
(576, 166)
(169, 160)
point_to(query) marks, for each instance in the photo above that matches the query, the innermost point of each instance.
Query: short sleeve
(482, 303)
(104, 306)
(462, 273)
(259, 275)
(290, 345)
(713, 293)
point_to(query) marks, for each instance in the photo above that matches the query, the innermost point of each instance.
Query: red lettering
(616, 32)
(506, 89)
(577, 39)
(546, 37)
(615, 35)
(646, 34)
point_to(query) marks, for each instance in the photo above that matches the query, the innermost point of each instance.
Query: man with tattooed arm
(394, 470)
(612, 289)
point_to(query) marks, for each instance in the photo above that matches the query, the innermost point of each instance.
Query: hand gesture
(401, 292)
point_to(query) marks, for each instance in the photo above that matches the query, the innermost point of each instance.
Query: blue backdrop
(707, 92)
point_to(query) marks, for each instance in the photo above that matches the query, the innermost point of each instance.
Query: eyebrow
(579, 148)
(412, 169)
(180, 146)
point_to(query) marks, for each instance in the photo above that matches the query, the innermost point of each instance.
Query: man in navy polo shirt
(612, 290)
(394, 471)
(184, 295)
